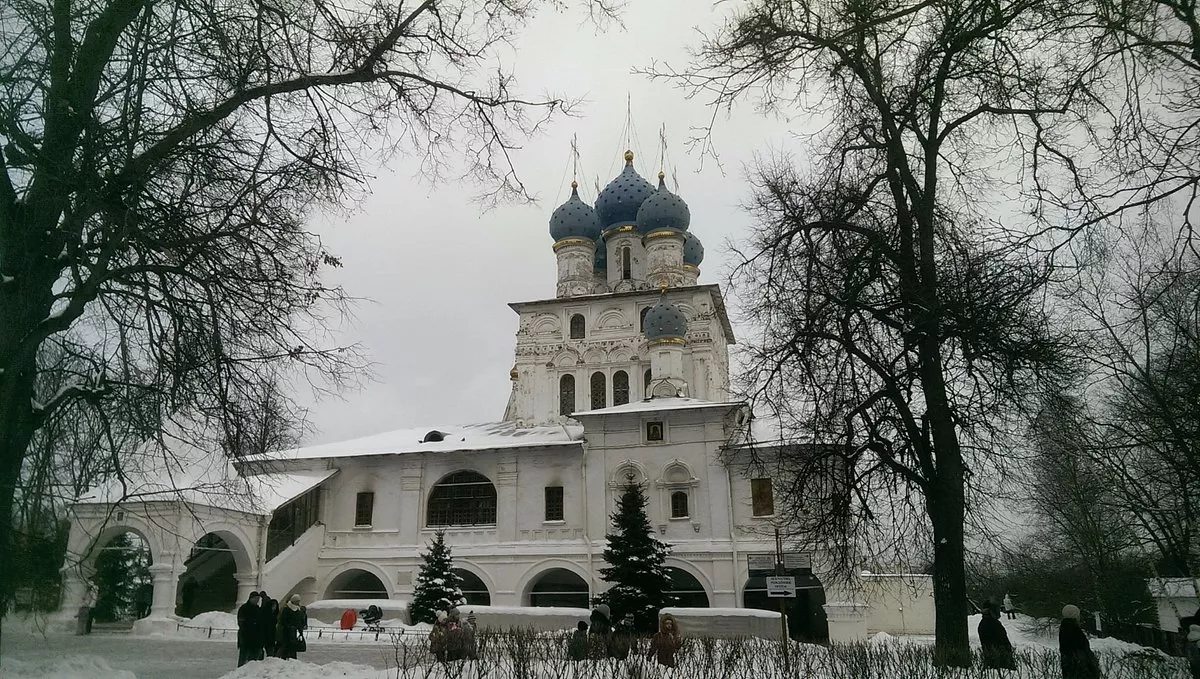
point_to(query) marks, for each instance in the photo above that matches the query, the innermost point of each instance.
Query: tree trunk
(16, 431)
(945, 504)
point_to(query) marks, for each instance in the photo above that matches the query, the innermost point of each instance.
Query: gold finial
(629, 157)
(512, 374)
(662, 289)
(574, 185)
(661, 175)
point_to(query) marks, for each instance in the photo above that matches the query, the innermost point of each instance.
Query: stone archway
(559, 587)
(118, 572)
(805, 614)
(217, 575)
(355, 583)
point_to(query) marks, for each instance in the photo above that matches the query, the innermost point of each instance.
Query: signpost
(779, 579)
(782, 587)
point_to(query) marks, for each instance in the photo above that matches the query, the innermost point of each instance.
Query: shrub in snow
(438, 587)
(636, 572)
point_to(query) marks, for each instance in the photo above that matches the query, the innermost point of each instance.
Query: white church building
(622, 374)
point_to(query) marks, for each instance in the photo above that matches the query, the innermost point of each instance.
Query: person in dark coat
(997, 649)
(666, 641)
(599, 632)
(1078, 661)
(1192, 649)
(249, 638)
(293, 620)
(267, 622)
(621, 640)
(577, 645)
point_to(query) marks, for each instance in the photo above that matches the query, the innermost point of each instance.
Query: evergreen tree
(438, 587)
(639, 580)
(122, 567)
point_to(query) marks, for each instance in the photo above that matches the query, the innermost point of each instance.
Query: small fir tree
(639, 580)
(438, 587)
(122, 567)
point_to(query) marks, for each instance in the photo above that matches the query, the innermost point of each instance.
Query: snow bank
(330, 610)
(274, 668)
(537, 619)
(68, 667)
(219, 619)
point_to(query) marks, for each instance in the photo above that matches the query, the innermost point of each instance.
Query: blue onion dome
(663, 210)
(618, 203)
(665, 321)
(601, 263)
(693, 251)
(574, 219)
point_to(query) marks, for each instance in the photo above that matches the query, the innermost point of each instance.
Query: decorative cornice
(617, 230)
(691, 267)
(666, 340)
(663, 233)
(567, 242)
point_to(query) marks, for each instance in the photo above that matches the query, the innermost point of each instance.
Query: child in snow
(666, 641)
(577, 645)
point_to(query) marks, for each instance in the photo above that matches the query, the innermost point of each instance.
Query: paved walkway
(170, 658)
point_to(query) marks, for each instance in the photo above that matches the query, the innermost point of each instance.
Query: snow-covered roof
(486, 436)
(659, 404)
(182, 471)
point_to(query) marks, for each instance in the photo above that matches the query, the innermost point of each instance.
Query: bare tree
(901, 319)
(158, 163)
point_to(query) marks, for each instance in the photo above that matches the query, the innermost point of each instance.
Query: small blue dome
(663, 210)
(574, 219)
(618, 203)
(665, 320)
(601, 263)
(693, 251)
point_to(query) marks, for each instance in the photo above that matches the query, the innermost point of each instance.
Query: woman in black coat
(997, 649)
(1078, 661)
(270, 618)
(293, 620)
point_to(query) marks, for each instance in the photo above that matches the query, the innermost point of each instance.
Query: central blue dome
(665, 321)
(663, 210)
(618, 203)
(574, 219)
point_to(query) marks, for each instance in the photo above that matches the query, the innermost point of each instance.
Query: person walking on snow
(599, 632)
(666, 641)
(293, 620)
(993, 638)
(1078, 661)
(577, 645)
(249, 637)
(1010, 611)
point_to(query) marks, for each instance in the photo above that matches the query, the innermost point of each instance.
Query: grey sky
(440, 273)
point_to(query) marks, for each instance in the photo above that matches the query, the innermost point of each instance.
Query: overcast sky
(440, 273)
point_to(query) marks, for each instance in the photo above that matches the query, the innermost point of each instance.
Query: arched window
(646, 384)
(620, 388)
(474, 591)
(626, 264)
(566, 394)
(462, 499)
(686, 589)
(559, 587)
(679, 505)
(599, 391)
(642, 325)
(578, 327)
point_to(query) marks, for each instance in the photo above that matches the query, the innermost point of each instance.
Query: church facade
(622, 376)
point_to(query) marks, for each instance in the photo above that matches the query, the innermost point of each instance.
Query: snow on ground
(69, 667)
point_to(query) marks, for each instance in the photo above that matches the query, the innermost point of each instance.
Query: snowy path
(173, 658)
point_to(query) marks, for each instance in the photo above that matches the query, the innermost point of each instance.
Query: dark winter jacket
(598, 635)
(1192, 648)
(268, 617)
(1078, 661)
(577, 645)
(997, 649)
(249, 626)
(291, 626)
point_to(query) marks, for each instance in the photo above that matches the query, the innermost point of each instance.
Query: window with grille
(554, 503)
(762, 497)
(462, 499)
(620, 388)
(646, 384)
(364, 507)
(566, 394)
(679, 505)
(578, 327)
(599, 390)
(626, 264)
(654, 431)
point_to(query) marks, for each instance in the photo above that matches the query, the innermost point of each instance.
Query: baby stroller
(371, 617)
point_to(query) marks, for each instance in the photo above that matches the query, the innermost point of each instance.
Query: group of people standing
(599, 639)
(1077, 660)
(267, 630)
(451, 638)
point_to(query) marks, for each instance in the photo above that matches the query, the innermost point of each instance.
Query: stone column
(162, 610)
(74, 589)
(506, 497)
(246, 583)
